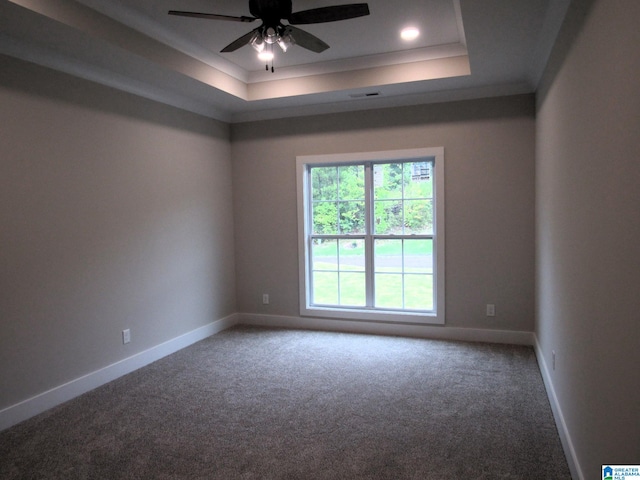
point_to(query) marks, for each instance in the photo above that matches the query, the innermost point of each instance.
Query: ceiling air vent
(364, 95)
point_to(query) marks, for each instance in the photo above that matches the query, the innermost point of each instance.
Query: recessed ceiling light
(410, 33)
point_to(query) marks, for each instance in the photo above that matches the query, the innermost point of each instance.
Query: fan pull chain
(272, 57)
(266, 66)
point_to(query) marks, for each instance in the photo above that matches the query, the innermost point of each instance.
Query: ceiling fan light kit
(273, 31)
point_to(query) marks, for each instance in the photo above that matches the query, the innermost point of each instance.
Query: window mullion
(308, 226)
(368, 242)
(339, 229)
(404, 303)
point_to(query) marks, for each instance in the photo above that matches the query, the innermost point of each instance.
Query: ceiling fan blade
(306, 40)
(329, 14)
(212, 16)
(240, 42)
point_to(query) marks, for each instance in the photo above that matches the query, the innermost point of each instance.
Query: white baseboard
(44, 401)
(565, 437)
(379, 328)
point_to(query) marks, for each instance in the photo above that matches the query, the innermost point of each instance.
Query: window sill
(426, 318)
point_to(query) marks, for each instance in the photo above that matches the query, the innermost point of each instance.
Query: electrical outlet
(491, 310)
(553, 360)
(265, 299)
(126, 336)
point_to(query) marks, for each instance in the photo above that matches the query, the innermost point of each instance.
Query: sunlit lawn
(349, 290)
(383, 247)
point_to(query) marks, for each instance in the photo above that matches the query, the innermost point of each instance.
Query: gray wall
(115, 212)
(489, 163)
(588, 231)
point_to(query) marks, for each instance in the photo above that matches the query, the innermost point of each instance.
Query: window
(371, 235)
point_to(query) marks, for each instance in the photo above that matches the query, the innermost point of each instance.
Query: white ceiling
(467, 49)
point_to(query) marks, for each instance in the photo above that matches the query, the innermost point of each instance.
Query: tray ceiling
(466, 49)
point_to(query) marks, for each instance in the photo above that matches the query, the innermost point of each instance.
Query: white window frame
(435, 154)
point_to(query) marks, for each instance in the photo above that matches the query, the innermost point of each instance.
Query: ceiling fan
(273, 31)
